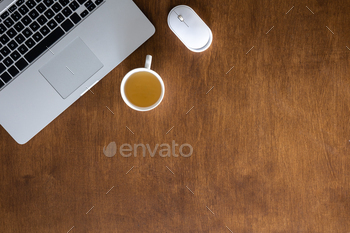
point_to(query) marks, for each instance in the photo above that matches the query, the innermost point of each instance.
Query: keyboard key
(15, 55)
(67, 25)
(16, 16)
(56, 7)
(42, 20)
(30, 43)
(44, 30)
(2, 28)
(41, 8)
(49, 13)
(13, 71)
(1, 84)
(5, 51)
(59, 18)
(82, 1)
(37, 36)
(11, 33)
(12, 8)
(74, 5)
(22, 49)
(2, 68)
(8, 22)
(52, 24)
(64, 2)
(34, 26)
(19, 2)
(12, 45)
(26, 20)
(75, 18)
(4, 15)
(20, 39)
(90, 5)
(30, 4)
(5, 77)
(8, 62)
(4, 39)
(33, 14)
(19, 26)
(48, 2)
(84, 13)
(44, 44)
(21, 64)
(23, 9)
(98, 2)
(27, 32)
(67, 11)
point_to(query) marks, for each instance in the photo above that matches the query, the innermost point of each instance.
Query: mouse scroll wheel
(181, 18)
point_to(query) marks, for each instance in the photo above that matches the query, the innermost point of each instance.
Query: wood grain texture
(270, 139)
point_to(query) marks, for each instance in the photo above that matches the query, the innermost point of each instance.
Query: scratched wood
(265, 108)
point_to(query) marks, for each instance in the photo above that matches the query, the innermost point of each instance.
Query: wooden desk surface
(266, 110)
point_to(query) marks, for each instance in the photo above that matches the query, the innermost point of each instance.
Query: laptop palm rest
(70, 68)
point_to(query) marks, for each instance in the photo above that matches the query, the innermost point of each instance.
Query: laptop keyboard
(29, 28)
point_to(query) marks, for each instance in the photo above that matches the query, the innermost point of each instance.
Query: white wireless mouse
(190, 28)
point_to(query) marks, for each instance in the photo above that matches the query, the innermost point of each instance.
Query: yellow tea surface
(143, 89)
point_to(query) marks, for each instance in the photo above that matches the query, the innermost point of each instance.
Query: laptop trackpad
(70, 68)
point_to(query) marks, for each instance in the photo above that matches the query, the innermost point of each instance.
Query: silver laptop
(53, 51)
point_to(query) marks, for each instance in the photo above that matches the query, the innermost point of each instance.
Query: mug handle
(148, 62)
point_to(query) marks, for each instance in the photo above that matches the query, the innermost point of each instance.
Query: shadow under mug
(146, 69)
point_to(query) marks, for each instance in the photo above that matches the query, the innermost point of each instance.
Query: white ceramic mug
(146, 69)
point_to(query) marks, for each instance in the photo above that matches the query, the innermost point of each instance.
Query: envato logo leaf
(111, 149)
